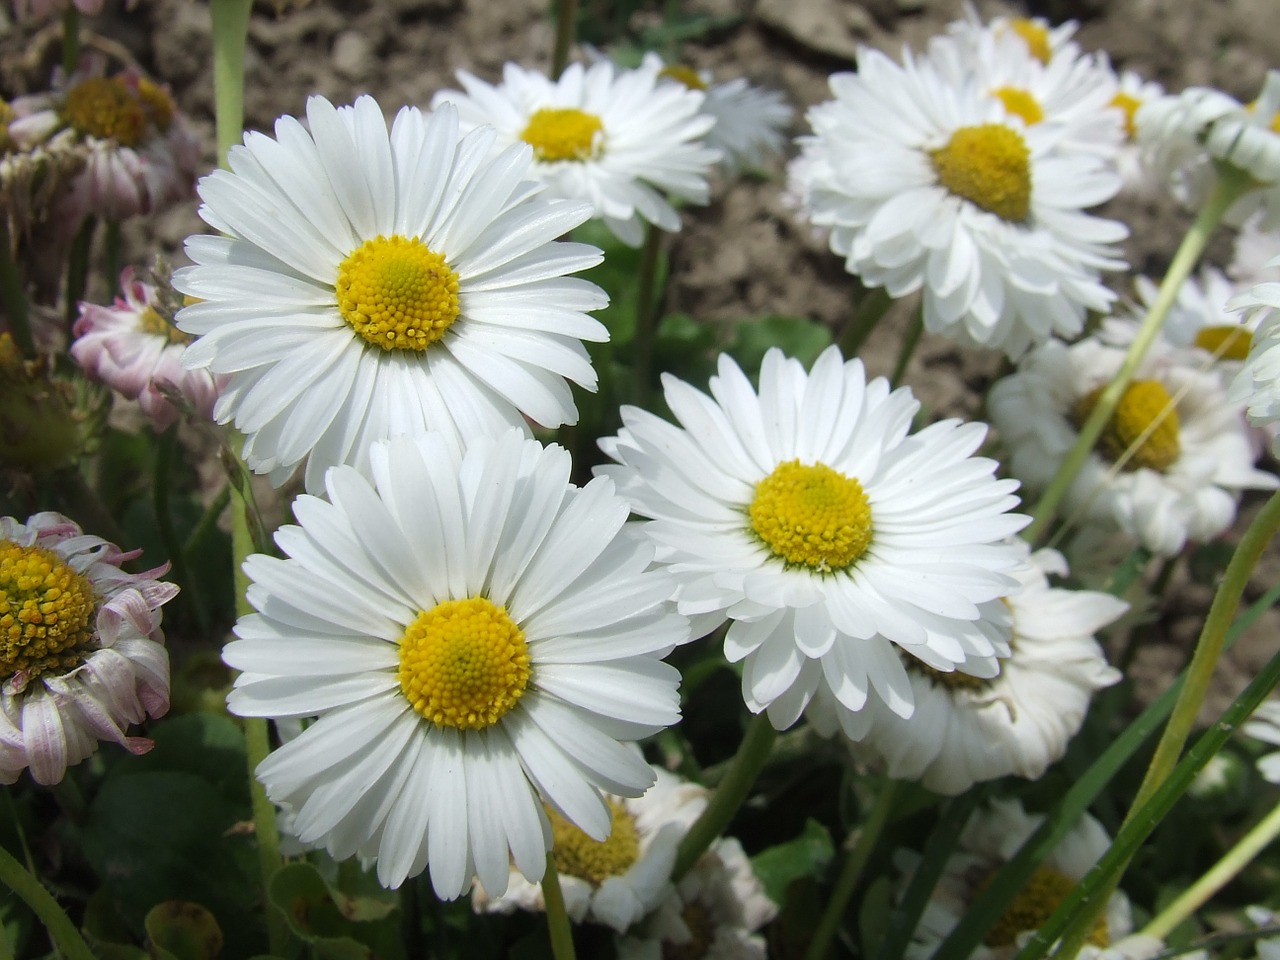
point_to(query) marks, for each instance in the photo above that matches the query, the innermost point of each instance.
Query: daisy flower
(992, 835)
(83, 654)
(1170, 464)
(474, 636)
(826, 534)
(1043, 41)
(967, 730)
(929, 186)
(1258, 382)
(617, 138)
(1255, 258)
(715, 913)
(369, 285)
(618, 880)
(1264, 725)
(134, 349)
(1132, 92)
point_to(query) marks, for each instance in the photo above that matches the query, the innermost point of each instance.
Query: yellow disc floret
(1226, 342)
(564, 133)
(1020, 103)
(988, 165)
(1035, 35)
(150, 321)
(157, 103)
(811, 515)
(686, 75)
(463, 664)
(46, 612)
(106, 108)
(595, 861)
(1127, 104)
(397, 293)
(1145, 422)
(1043, 894)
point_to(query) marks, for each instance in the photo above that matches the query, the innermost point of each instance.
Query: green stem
(168, 452)
(70, 39)
(78, 271)
(910, 340)
(873, 305)
(111, 253)
(566, 30)
(230, 34)
(208, 521)
(729, 796)
(1218, 876)
(646, 323)
(851, 873)
(1231, 185)
(558, 927)
(13, 295)
(62, 931)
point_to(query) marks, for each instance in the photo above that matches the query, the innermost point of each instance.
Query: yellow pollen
(463, 664)
(1043, 894)
(1127, 104)
(397, 293)
(811, 515)
(46, 612)
(1034, 35)
(1144, 402)
(686, 75)
(702, 928)
(1274, 125)
(988, 165)
(1226, 342)
(149, 321)
(594, 861)
(106, 108)
(1020, 103)
(564, 133)
(157, 103)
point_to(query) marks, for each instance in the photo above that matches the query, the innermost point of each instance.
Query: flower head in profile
(617, 138)
(967, 730)
(830, 537)
(616, 881)
(475, 638)
(930, 186)
(134, 348)
(369, 284)
(82, 654)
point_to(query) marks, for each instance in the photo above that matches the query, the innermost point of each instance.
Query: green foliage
(806, 856)
(796, 336)
(182, 931)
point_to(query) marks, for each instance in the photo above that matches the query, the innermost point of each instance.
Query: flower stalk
(558, 927)
(62, 931)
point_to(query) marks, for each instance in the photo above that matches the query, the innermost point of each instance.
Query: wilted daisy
(474, 636)
(1258, 382)
(1171, 462)
(617, 138)
(935, 187)
(967, 730)
(992, 835)
(370, 285)
(135, 349)
(618, 880)
(715, 913)
(828, 536)
(82, 655)
(1264, 725)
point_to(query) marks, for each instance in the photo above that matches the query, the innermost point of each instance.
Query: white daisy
(370, 285)
(1131, 93)
(1255, 258)
(618, 880)
(617, 138)
(992, 835)
(966, 730)
(1169, 466)
(82, 655)
(1264, 725)
(930, 185)
(475, 637)
(809, 518)
(1258, 382)
(714, 913)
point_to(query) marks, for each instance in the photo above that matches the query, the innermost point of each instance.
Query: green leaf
(178, 930)
(206, 745)
(314, 914)
(873, 914)
(798, 337)
(805, 856)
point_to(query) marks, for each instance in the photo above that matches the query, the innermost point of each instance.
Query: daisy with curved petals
(81, 654)
(930, 186)
(475, 637)
(369, 285)
(967, 730)
(617, 138)
(828, 536)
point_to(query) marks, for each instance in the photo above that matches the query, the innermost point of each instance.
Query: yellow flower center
(46, 612)
(686, 75)
(1226, 342)
(577, 855)
(1127, 104)
(106, 108)
(157, 103)
(564, 133)
(988, 165)
(1020, 103)
(1043, 894)
(149, 321)
(397, 293)
(702, 929)
(6, 117)
(463, 663)
(1035, 36)
(1145, 422)
(811, 515)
